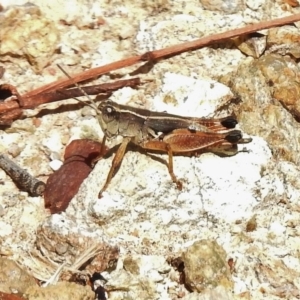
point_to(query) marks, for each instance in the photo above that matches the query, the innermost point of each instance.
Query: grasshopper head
(108, 118)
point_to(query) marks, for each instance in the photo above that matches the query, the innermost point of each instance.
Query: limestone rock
(206, 266)
(14, 279)
(61, 291)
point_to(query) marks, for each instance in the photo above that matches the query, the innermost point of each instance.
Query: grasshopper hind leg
(170, 168)
(158, 145)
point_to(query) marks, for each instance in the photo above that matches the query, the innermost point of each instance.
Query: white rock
(216, 191)
(72, 115)
(55, 164)
(53, 141)
(163, 291)
(277, 228)
(239, 285)
(190, 94)
(236, 229)
(108, 208)
(140, 208)
(5, 229)
(164, 216)
(54, 156)
(154, 276)
(174, 227)
(255, 4)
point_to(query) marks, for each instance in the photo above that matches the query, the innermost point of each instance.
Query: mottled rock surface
(247, 203)
(13, 278)
(205, 267)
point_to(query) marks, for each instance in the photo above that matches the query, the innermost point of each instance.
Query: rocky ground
(232, 232)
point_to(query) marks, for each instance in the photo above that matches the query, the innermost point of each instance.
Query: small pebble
(55, 164)
(54, 156)
(140, 208)
(166, 216)
(228, 7)
(14, 150)
(72, 115)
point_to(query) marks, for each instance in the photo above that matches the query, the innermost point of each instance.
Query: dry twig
(154, 56)
(21, 177)
(11, 110)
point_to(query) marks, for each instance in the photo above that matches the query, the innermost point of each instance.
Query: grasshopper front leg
(115, 163)
(101, 153)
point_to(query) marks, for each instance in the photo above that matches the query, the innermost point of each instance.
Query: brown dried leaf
(63, 185)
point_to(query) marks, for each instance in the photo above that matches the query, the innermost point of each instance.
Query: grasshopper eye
(108, 110)
(106, 107)
(108, 113)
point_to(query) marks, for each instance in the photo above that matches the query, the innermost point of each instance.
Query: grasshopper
(160, 131)
(163, 132)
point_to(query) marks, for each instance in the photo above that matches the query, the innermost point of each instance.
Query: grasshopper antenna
(92, 104)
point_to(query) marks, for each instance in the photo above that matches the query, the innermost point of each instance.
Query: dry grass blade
(48, 271)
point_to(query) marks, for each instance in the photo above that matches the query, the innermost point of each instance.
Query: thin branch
(10, 110)
(21, 177)
(166, 52)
